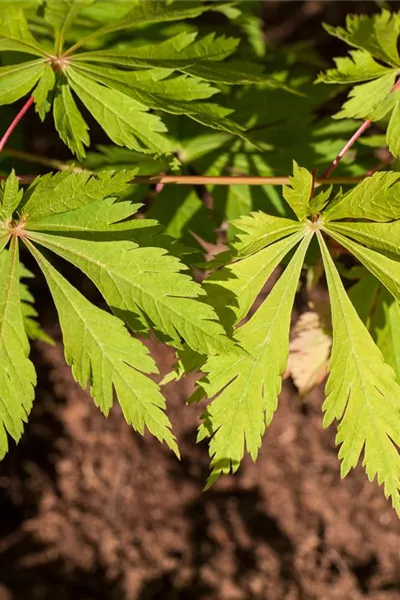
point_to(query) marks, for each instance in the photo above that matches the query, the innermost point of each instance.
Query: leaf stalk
(353, 139)
(15, 122)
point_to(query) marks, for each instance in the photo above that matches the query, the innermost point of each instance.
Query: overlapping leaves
(144, 287)
(120, 87)
(375, 61)
(363, 394)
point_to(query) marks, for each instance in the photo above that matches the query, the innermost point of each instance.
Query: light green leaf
(147, 13)
(10, 196)
(24, 4)
(386, 269)
(371, 100)
(17, 374)
(125, 120)
(64, 191)
(145, 284)
(61, 14)
(178, 51)
(393, 130)
(17, 80)
(233, 289)
(376, 34)
(378, 236)
(359, 66)
(150, 91)
(318, 202)
(69, 122)
(104, 215)
(14, 33)
(211, 115)
(101, 352)
(375, 198)
(298, 194)
(104, 220)
(247, 387)
(258, 229)
(43, 91)
(362, 393)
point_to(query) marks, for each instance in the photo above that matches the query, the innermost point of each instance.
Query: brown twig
(227, 180)
(221, 180)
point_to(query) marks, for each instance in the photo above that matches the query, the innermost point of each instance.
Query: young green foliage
(150, 93)
(170, 76)
(17, 374)
(375, 39)
(362, 392)
(144, 287)
(248, 386)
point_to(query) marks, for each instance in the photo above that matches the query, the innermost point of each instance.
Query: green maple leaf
(17, 374)
(81, 217)
(171, 76)
(100, 351)
(378, 236)
(376, 198)
(247, 386)
(362, 392)
(375, 39)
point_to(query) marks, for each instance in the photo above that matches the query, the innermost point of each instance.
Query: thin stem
(15, 122)
(353, 139)
(208, 180)
(347, 147)
(82, 42)
(59, 42)
(226, 180)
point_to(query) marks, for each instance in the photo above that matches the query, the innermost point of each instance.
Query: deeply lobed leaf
(247, 386)
(376, 39)
(17, 374)
(362, 393)
(101, 352)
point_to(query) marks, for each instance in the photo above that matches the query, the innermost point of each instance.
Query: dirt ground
(92, 511)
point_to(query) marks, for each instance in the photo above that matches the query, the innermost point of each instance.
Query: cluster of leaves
(376, 61)
(362, 391)
(150, 94)
(119, 86)
(75, 216)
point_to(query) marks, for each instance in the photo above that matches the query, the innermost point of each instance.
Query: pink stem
(346, 148)
(15, 122)
(353, 139)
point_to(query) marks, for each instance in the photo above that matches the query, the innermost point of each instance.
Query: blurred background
(92, 511)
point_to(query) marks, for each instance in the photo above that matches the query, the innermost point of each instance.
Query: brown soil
(92, 511)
